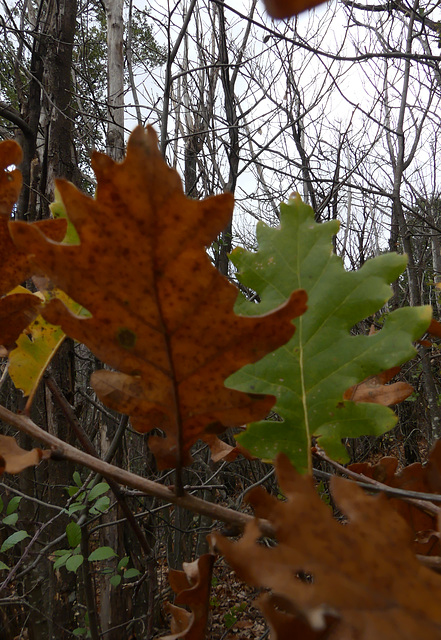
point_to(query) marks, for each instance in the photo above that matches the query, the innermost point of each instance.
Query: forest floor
(233, 614)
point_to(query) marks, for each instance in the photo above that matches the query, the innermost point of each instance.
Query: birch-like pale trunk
(115, 79)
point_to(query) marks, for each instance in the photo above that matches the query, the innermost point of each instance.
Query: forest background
(340, 104)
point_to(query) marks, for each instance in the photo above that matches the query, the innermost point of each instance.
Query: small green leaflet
(98, 490)
(74, 563)
(73, 532)
(115, 580)
(310, 374)
(13, 505)
(63, 557)
(102, 553)
(131, 573)
(11, 520)
(13, 539)
(77, 479)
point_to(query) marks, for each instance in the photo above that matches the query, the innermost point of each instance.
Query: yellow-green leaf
(37, 346)
(59, 211)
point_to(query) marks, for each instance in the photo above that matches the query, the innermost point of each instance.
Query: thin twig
(88, 446)
(26, 552)
(88, 587)
(415, 498)
(62, 450)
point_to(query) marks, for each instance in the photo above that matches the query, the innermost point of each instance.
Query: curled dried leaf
(375, 389)
(13, 459)
(221, 450)
(416, 477)
(192, 586)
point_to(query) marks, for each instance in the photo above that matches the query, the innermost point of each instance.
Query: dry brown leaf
(221, 450)
(163, 316)
(287, 8)
(363, 579)
(415, 477)
(288, 625)
(375, 389)
(15, 266)
(192, 586)
(16, 311)
(13, 459)
(435, 328)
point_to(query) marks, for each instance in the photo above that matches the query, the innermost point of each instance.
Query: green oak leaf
(310, 374)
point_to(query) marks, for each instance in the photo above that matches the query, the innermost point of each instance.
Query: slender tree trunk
(172, 52)
(31, 111)
(115, 78)
(233, 133)
(59, 161)
(60, 22)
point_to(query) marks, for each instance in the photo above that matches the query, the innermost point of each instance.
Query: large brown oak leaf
(162, 315)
